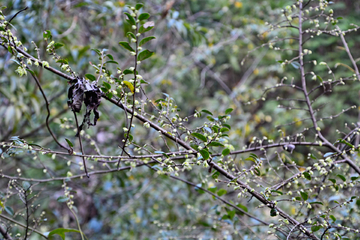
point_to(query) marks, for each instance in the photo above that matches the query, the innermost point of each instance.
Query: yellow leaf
(129, 85)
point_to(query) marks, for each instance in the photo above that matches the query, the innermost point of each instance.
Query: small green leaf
(320, 203)
(224, 129)
(146, 27)
(97, 51)
(144, 16)
(206, 111)
(138, 6)
(198, 188)
(332, 218)
(90, 77)
(130, 19)
(127, 71)
(47, 35)
(221, 192)
(111, 61)
(225, 152)
(212, 189)
(61, 232)
(205, 154)
(279, 192)
(142, 81)
(145, 40)
(226, 125)
(307, 175)
(69, 142)
(62, 199)
(58, 45)
(130, 34)
(144, 55)
(315, 228)
(110, 56)
(273, 212)
(304, 195)
(242, 207)
(296, 65)
(199, 136)
(229, 110)
(215, 144)
(341, 177)
(332, 180)
(127, 46)
(217, 174)
(9, 210)
(107, 85)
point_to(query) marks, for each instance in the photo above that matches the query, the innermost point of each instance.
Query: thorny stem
(134, 93)
(22, 225)
(48, 110)
(81, 146)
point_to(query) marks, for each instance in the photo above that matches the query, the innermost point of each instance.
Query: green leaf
(341, 177)
(332, 218)
(225, 152)
(127, 46)
(138, 6)
(130, 19)
(61, 232)
(315, 228)
(199, 136)
(146, 27)
(273, 212)
(231, 214)
(198, 188)
(127, 71)
(224, 129)
(111, 61)
(279, 192)
(145, 40)
(47, 35)
(144, 55)
(69, 142)
(206, 111)
(221, 192)
(9, 210)
(62, 199)
(217, 174)
(110, 56)
(205, 154)
(307, 175)
(97, 51)
(229, 110)
(226, 125)
(130, 34)
(242, 207)
(58, 45)
(320, 203)
(215, 144)
(90, 77)
(144, 16)
(212, 189)
(296, 65)
(304, 195)
(345, 142)
(332, 180)
(107, 85)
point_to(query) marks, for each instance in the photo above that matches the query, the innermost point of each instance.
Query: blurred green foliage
(209, 55)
